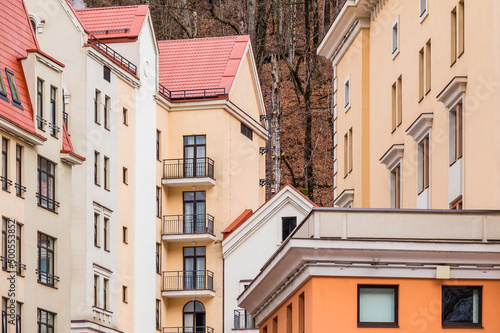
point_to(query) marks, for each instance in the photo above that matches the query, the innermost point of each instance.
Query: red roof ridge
(110, 7)
(237, 222)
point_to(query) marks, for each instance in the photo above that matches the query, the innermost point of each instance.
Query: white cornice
(71, 159)
(20, 133)
(345, 198)
(392, 156)
(453, 91)
(421, 126)
(123, 74)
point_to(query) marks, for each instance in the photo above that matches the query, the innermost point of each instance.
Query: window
(424, 9)
(428, 67)
(423, 164)
(18, 248)
(195, 156)
(289, 320)
(194, 316)
(194, 268)
(125, 176)
(19, 171)
(158, 258)
(158, 304)
(246, 131)
(107, 109)
(3, 91)
(275, 325)
(97, 224)
(97, 107)
(45, 321)
(46, 184)
(4, 315)
(97, 177)
(397, 103)
(96, 290)
(194, 212)
(13, 88)
(124, 294)
(347, 93)
(125, 235)
(106, 173)
(461, 306)
(395, 37)
(53, 117)
(125, 116)
(455, 132)
(107, 73)
(424, 70)
(288, 225)
(39, 105)
(158, 201)
(46, 260)
(396, 187)
(348, 158)
(457, 204)
(302, 313)
(421, 74)
(18, 317)
(457, 32)
(106, 234)
(5, 164)
(158, 137)
(377, 306)
(105, 292)
(4, 242)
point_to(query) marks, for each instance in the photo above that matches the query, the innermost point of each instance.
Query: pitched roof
(200, 63)
(16, 37)
(113, 24)
(247, 213)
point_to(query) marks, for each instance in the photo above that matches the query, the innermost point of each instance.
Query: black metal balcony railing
(197, 329)
(115, 56)
(188, 280)
(243, 320)
(20, 189)
(12, 264)
(188, 168)
(192, 93)
(5, 183)
(188, 224)
(46, 202)
(46, 278)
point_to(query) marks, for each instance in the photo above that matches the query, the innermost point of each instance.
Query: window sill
(423, 16)
(97, 246)
(107, 251)
(395, 54)
(47, 285)
(387, 325)
(97, 184)
(50, 210)
(347, 107)
(463, 325)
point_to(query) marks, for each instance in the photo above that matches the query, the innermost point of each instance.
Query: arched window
(33, 25)
(194, 317)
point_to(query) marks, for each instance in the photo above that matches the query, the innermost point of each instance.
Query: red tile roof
(113, 24)
(67, 147)
(200, 63)
(16, 37)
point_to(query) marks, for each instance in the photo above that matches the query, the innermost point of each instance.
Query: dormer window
(3, 92)
(13, 88)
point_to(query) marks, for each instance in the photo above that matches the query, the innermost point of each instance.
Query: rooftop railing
(188, 224)
(192, 93)
(112, 54)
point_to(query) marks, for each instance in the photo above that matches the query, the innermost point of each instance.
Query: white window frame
(423, 9)
(347, 93)
(395, 38)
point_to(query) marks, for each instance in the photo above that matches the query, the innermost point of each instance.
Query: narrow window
(350, 150)
(428, 67)
(4, 242)
(264, 329)
(289, 316)
(39, 105)
(246, 131)
(423, 9)
(158, 325)
(106, 173)
(456, 132)
(124, 294)
(394, 106)
(107, 73)
(18, 317)
(18, 247)
(4, 315)
(288, 225)
(45, 321)
(346, 154)
(19, 171)
(453, 35)
(106, 234)
(421, 74)
(396, 187)
(97, 107)
(158, 258)
(53, 115)
(275, 325)
(96, 290)
(97, 227)
(400, 100)
(105, 293)
(45, 262)
(377, 306)
(5, 164)
(46, 192)
(97, 164)
(196, 163)
(347, 93)
(395, 37)
(107, 109)
(125, 176)
(302, 313)
(158, 201)
(158, 137)
(423, 164)
(460, 29)
(462, 306)
(125, 116)
(125, 235)
(3, 91)
(13, 88)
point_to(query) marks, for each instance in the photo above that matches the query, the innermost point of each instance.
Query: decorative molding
(393, 156)
(421, 126)
(345, 198)
(453, 91)
(30, 138)
(71, 159)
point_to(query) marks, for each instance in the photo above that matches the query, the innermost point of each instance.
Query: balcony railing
(197, 329)
(209, 93)
(188, 168)
(188, 280)
(46, 202)
(46, 278)
(243, 320)
(6, 183)
(188, 224)
(9, 264)
(112, 54)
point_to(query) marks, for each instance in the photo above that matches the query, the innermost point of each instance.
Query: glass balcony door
(194, 212)
(194, 267)
(194, 317)
(194, 156)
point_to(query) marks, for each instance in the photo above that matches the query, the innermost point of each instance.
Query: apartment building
(209, 134)
(36, 179)
(353, 270)
(111, 56)
(415, 84)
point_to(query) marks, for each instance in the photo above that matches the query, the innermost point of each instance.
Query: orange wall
(334, 308)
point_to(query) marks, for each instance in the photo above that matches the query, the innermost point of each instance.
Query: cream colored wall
(246, 89)
(125, 210)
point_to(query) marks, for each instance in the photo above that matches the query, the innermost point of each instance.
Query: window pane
(189, 140)
(200, 139)
(376, 305)
(461, 305)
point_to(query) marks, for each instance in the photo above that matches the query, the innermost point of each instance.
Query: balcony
(188, 172)
(184, 228)
(243, 320)
(178, 284)
(112, 54)
(197, 329)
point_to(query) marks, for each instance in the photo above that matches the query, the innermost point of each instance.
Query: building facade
(415, 84)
